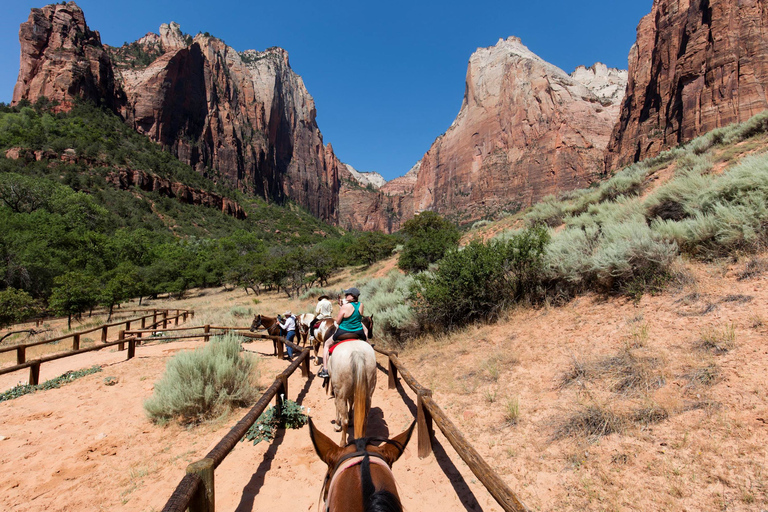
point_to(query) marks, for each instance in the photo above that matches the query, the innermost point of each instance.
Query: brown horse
(370, 488)
(270, 324)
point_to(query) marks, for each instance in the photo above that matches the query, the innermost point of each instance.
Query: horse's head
(256, 323)
(375, 471)
(368, 322)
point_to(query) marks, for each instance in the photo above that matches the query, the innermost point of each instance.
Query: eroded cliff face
(697, 65)
(247, 115)
(244, 118)
(526, 129)
(61, 59)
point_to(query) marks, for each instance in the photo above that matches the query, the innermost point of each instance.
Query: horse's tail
(360, 383)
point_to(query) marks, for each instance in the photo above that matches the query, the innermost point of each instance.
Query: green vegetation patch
(204, 383)
(292, 415)
(25, 389)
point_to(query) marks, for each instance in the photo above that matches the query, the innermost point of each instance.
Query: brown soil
(691, 425)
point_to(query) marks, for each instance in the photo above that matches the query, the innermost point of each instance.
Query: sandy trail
(89, 446)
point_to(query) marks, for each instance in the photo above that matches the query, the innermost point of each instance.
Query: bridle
(363, 458)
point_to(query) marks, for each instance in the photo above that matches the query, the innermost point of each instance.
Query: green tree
(372, 246)
(121, 284)
(428, 238)
(16, 306)
(73, 294)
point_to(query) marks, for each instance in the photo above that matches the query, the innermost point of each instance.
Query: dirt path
(89, 446)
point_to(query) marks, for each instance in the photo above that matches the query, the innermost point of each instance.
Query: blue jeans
(289, 337)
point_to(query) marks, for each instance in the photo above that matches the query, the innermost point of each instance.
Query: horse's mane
(384, 501)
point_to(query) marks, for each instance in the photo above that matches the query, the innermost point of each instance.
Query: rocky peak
(373, 179)
(61, 58)
(525, 129)
(608, 84)
(172, 37)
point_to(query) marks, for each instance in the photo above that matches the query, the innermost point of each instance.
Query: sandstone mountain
(525, 129)
(697, 65)
(247, 115)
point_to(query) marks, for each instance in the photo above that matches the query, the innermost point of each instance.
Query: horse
(352, 371)
(327, 327)
(373, 487)
(270, 324)
(303, 321)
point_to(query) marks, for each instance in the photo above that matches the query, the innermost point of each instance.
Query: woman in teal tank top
(350, 316)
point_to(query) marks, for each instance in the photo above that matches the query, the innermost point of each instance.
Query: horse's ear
(392, 451)
(327, 450)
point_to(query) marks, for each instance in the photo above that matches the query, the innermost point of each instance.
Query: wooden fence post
(176, 318)
(143, 322)
(104, 334)
(204, 499)
(34, 374)
(282, 394)
(392, 370)
(305, 365)
(76, 342)
(121, 336)
(424, 421)
(128, 325)
(279, 348)
(165, 319)
(21, 355)
(131, 348)
(206, 330)
(184, 317)
(154, 319)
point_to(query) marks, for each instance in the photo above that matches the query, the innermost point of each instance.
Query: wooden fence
(34, 365)
(428, 413)
(196, 490)
(196, 493)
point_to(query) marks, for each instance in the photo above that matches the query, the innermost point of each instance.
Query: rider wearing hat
(289, 325)
(324, 309)
(349, 321)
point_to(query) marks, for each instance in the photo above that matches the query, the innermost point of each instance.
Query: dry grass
(718, 339)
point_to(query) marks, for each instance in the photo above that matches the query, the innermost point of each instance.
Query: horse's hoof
(337, 428)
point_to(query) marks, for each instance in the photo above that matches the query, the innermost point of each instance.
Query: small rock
(3, 438)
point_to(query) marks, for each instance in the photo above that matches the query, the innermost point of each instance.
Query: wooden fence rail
(34, 365)
(427, 412)
(76, 336)
(196, 490)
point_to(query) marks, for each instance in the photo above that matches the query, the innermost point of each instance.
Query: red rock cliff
(526, 129)
(61, 58)
(245, 118)
(697, 65)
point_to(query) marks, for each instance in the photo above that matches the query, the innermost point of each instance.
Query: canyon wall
(697, 65)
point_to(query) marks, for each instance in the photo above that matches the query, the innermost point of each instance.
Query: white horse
(303, 321)
(353, 379)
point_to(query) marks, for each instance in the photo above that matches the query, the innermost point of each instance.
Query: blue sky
(387, 78)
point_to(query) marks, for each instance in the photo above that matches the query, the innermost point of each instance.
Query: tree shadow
(256, 482)
(465, 494)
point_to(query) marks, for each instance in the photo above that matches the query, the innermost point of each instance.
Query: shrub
(479, 280)
(387, 299)
(265, 429)
(428, 238)
(204, 383)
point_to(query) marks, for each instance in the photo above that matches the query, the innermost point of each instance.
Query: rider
(324, 309)
(349, 321)
(290, 327)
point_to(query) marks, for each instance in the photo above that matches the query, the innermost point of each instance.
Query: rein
(359, 457)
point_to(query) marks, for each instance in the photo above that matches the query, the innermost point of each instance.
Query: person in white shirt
(289, 326)
(324, 309)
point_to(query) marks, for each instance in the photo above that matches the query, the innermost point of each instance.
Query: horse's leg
(342, 418)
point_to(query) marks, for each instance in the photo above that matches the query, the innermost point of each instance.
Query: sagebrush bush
(204, 383)
(387, 299)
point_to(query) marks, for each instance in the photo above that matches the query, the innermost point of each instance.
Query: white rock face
(366, 178)
(608, 84)
(171, 36)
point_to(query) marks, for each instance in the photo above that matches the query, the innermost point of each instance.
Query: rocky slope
(697, 65)
(526, 129)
